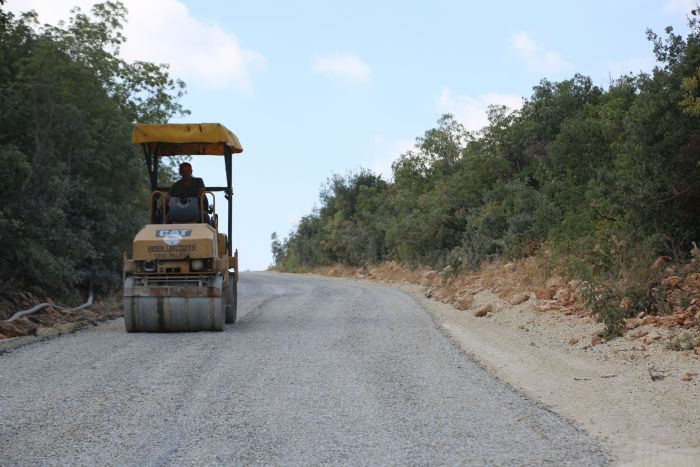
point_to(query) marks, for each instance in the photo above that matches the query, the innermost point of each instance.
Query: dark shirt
(186, 188)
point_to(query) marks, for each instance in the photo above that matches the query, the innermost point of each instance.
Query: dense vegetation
(73, 188)
(602, 179)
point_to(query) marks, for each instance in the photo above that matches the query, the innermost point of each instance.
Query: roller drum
(174, 308)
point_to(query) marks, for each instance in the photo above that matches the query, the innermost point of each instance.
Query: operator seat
(183, 209)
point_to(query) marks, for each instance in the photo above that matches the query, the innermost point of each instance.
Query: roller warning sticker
(171, 251)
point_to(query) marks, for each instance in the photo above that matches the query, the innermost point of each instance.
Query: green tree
(76, 190)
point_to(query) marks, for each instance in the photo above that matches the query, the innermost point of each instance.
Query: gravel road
(316, 371)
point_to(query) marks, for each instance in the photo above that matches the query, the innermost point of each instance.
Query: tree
(576, 167)
(76, 191)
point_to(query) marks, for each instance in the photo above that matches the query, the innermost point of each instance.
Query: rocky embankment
(50, 321)
(673, 323)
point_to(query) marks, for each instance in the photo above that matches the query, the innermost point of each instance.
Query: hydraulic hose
(41, 306)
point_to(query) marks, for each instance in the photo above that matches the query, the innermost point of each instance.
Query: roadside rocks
(648, 320)
(563, 294)
(19, 328)
(672, 281)
(672, 302)
(50, 318)
(693, 281)
(636, 335)
(645, 337)
(685, 341)
(678, 319)
(626, 303)
(651, 337)
(545, 305)
(463, 301)
(519, 298)
(631, 323)
(483, 310)
(542, 293)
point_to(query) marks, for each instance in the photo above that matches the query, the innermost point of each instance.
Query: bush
(604, 303)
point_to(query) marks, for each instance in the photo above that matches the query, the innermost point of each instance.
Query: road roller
(182, 273)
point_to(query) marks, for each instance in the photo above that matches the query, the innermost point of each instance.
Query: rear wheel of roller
(231, 299)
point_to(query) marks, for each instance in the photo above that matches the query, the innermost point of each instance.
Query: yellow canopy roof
(178, 139)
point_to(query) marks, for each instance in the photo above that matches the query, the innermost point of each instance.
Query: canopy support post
(152, 164)
(229, 196)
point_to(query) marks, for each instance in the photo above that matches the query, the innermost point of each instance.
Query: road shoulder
(605, 389)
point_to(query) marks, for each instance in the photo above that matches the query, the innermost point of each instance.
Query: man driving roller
(188, 185)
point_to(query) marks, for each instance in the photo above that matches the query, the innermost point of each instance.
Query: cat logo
(178, 232)
(173, 236)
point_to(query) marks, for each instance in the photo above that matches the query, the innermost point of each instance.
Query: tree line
(602, 178)
(73, 189)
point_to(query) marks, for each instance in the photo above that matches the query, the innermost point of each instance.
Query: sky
(317, 88)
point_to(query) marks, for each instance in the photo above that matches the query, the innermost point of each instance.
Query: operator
(188, 185)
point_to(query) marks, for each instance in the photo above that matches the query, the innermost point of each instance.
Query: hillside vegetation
(595, 181)
(73, 188)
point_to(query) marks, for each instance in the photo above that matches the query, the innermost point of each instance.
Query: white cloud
(471, 111)
(349, 68)
(536, 58)
(680, 6)
(49, 12)
(163, 31)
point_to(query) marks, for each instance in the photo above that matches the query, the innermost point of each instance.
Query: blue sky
(314, 88)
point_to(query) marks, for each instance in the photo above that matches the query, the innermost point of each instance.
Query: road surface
(316, 371)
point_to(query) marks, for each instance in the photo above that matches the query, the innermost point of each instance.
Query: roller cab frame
(182, 276)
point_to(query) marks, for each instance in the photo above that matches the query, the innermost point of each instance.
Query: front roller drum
(156, 310)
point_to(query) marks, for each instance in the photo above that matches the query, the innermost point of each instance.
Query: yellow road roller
(182, 274)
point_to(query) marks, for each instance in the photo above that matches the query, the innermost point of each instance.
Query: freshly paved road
(316, 371)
